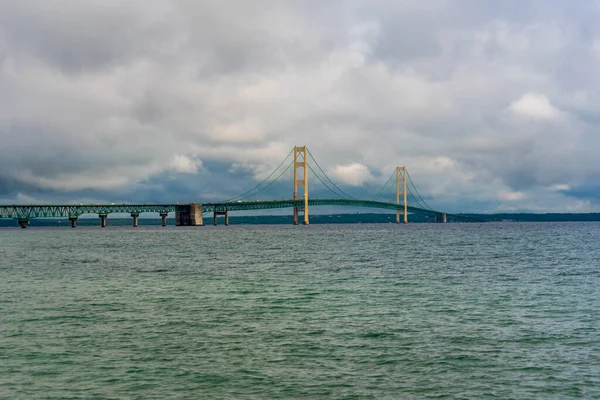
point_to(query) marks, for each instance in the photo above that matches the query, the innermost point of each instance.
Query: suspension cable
(267, 178)
(417, 191)
(319, 178)
(383, 187)
(415, 198)
(321, 169)
(272, 182)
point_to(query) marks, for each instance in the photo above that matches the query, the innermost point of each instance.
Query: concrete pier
(135, 219)
(164, 218)
(190, 215)
(73, 221)
(217, 213)
(440, 218)
(103, 218)
(297, 211)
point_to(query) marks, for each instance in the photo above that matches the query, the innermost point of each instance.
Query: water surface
(353, 311)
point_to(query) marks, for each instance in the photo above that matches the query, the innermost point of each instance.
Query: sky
(493, 106)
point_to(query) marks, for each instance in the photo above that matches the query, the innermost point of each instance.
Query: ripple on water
(418, 311)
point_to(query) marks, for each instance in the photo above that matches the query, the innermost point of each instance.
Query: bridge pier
(217, 213)
(135, 216)
(23, 223)
(190, 215)
(297, 211)
(440, 218)
(73, 221)
(164, 218)
(103, 220)
(182, 218)
(401, 217)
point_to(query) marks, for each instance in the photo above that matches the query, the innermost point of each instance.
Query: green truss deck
(30, 211)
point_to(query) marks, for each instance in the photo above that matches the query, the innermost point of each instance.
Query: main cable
(274, 180)
(324, 184)
(266, 179)
(384, 186)
(321, 169)
(415, 198)
(417, 191)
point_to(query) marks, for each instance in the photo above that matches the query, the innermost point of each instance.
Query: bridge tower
(301, 161)
(401, 191)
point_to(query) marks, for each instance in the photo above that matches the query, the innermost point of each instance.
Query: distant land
(315, 219)
(530, 217)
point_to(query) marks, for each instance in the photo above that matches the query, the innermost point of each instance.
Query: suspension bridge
(400, 185)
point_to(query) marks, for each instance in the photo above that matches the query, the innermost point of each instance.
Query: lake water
(510, 311)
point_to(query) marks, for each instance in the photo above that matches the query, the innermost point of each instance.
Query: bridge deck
(30, 211)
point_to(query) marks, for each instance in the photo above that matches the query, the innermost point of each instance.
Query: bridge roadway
(24, 213)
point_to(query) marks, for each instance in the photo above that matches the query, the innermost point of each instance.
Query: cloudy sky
(492, 105)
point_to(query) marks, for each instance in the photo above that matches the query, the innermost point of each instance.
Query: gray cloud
(491, 105)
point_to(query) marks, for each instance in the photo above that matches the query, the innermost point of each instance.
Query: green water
(260, 312)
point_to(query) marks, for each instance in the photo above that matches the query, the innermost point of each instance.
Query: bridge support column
(217, 213)
(73, 221)
(301, 161)
(103, 220)
(190, 215)
(135, 216)
(23, 223)
(182, 218)
(441, 218)
(196, 214)
(401, 191)
(164, 218)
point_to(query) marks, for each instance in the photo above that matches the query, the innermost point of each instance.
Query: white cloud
(512, 196)
(536, 106)
(354, 174)
(185, 164)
